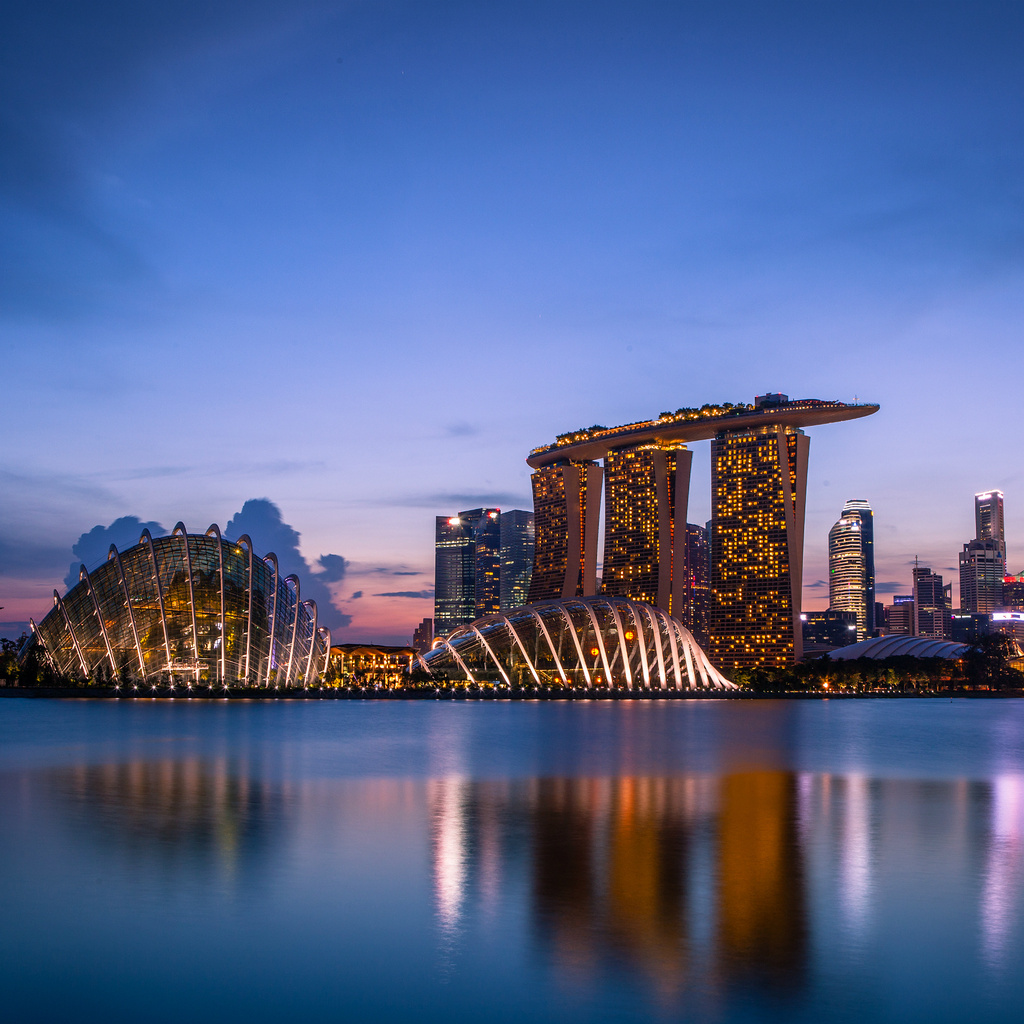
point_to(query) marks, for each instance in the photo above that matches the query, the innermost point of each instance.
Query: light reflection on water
(469, 873)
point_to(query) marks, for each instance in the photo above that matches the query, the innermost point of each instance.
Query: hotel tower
(759, 481)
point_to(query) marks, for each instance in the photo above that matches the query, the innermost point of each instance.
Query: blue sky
(358, 259)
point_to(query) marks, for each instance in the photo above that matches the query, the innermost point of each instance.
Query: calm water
(707, 861)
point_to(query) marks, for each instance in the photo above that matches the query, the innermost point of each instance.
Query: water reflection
(703, 887)
(615, 877)
(177, 812)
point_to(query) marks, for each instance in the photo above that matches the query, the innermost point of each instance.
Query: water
(706, 861)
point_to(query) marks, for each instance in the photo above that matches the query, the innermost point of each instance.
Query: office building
(697, 593)
(759, 455)
(828, 630)
(899, 616)
(467, 558)
(423, 635)
(1013, 593)
(981, 576)
(931, 604)
(517, 544)
(851, 565)
(988, 520)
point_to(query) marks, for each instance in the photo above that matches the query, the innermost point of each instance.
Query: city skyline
(338, 206)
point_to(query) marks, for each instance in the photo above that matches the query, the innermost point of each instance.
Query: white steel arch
(470, 649)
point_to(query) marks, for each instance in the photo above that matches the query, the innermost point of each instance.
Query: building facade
(756, 538)
(517, 546)
(851, 565)
(646, 490)
(697, 593)
(566, 519)
(899, 616)
(758, 490)
(931, 604)
(1013, 592)
(981, 576)
(467, 561)
(988, 519)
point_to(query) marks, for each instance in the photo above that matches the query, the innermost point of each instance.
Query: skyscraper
(983, 560)
(694, 612)
(566, 518)
(466, 568)
(981, 576)
(988, 519)
(757, 539)
(851, 565)
(517, 544)
(646, 489)
(758, 489)
(931, 604)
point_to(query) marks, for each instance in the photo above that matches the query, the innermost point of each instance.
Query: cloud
(91, 548)
(461, 430)
(418, 594)
(890, 587)
(355, 597)
(332, 568)
(816, 585)
(261, 519)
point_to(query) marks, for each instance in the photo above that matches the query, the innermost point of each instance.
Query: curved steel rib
(148, 537)
(114, 554)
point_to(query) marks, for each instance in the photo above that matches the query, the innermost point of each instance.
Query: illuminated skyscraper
(566, 511)
(988, 519)
(759, 481)
(517, 542)
(467, 559)
(643, 518)
(983, 560)
(694, 612)
(758, 489)
(851, 565)
(981, 576)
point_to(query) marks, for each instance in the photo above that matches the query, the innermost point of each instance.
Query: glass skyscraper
(983, 560)
(467, 559)
(851, 565)
(517, 544)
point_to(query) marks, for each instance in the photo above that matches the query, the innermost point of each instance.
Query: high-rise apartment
(851, 565)
(931, 604)
(758, 489)
(517, 545)
(645, 490)
(467, 559)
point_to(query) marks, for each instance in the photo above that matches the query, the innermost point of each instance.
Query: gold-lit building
(369, 663)
(566, 511)
(646, 490)
(758, 491)
(759, 480)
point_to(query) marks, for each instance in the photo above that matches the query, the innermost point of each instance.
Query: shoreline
(460, 694)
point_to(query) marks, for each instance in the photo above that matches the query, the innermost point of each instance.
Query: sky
(343, 265)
